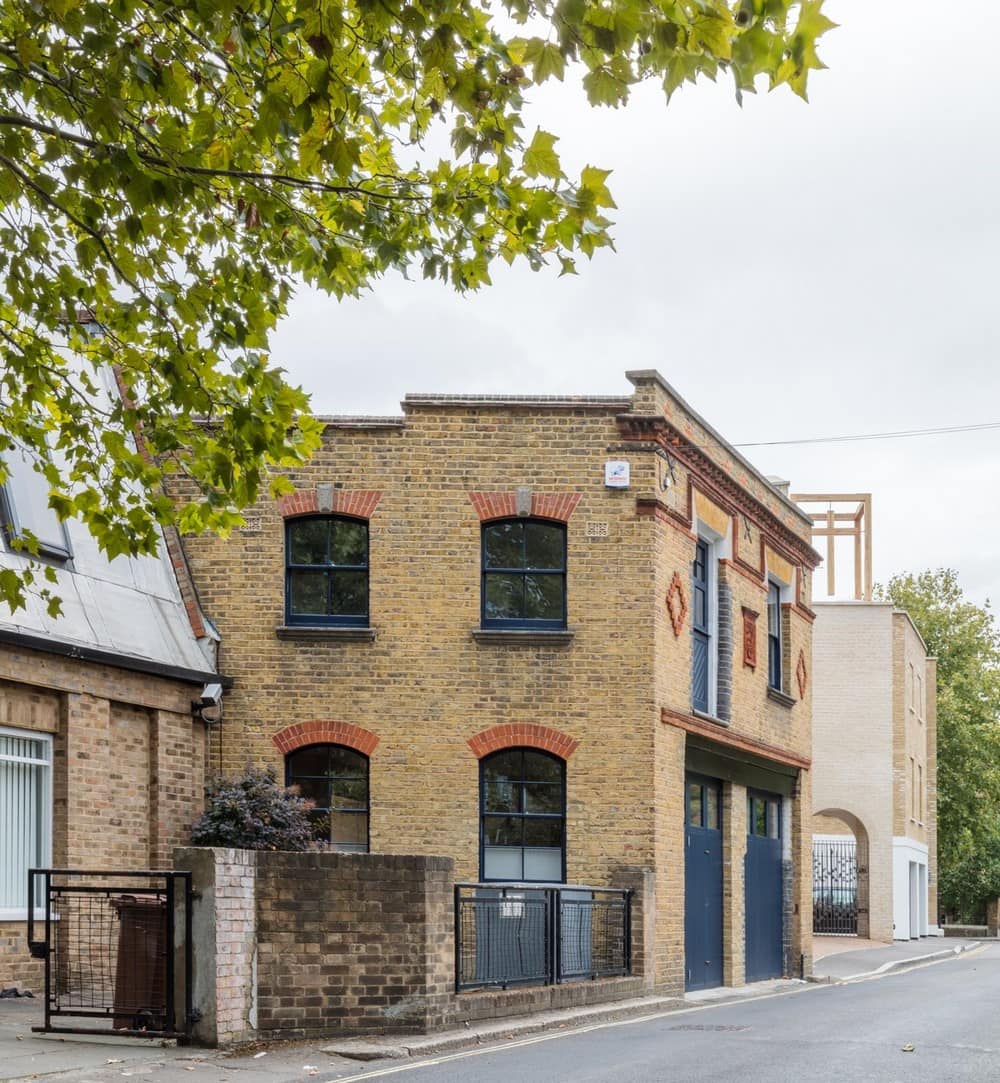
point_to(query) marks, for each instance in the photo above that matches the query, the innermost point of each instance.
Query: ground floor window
(25, 813)
(335, 779)
(523, 816)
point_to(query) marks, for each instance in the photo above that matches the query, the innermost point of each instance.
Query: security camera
(209, 706)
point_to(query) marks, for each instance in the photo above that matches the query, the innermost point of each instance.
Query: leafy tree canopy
(965, 640)
(173, 167)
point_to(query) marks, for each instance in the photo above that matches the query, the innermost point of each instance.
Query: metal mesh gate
(117, 949)
(835, 887)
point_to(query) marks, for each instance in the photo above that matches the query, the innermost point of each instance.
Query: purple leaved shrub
(252, 812)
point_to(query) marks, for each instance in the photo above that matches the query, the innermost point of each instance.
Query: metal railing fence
(540, 934)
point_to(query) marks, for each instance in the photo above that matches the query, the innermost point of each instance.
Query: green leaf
(540, 158)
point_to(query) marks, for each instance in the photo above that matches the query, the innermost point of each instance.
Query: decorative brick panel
(802, 674)
(526, 734)
(677, 605)
(325, 732)
(503, 505)
(750, 637)
(360, 503)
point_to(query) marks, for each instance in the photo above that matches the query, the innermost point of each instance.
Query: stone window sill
(523, 637)
(714, 719)
(780, 697)
(325, 633)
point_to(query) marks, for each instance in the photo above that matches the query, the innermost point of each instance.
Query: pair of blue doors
(703, 886)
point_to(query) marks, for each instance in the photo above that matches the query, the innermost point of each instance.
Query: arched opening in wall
(840, 875)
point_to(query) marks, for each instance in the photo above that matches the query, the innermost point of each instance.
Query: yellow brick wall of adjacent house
(911, 746)
(111, 809)
(426, 684)
(853, 770)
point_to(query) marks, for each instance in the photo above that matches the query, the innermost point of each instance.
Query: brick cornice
(714, 480)
(359, 503)
(325, 731)
(523, 735)
(503, 505)
(726, 737)
(658, 510)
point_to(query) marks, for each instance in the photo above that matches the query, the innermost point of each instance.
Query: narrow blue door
(702, 884)
(763, 888)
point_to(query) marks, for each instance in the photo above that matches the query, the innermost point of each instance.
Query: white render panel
(907, 852)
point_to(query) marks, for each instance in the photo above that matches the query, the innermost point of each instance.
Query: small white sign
(616, 475)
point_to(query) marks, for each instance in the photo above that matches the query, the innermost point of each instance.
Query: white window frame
(20, 913)
(719, 548)
(786, 596)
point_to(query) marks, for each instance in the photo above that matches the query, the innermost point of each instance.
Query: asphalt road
(949, 1013)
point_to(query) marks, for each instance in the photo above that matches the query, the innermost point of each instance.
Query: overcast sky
(793, 270)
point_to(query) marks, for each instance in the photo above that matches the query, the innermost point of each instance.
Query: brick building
(875, 775)
(554, 639)
(101, 759)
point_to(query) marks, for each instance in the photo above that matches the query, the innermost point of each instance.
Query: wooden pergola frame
(833, 523)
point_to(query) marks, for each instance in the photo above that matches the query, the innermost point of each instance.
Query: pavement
(53, 1058)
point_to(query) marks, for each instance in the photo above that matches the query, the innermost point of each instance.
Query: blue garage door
(702, 883)
(764, 894)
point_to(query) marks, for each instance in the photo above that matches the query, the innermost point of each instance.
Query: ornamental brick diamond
(801, 674)
(677, 605)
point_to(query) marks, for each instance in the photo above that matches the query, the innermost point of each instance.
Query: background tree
(964, 639)
(173, 167)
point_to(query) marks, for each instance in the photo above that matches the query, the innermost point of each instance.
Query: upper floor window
(523, 816)
(25, 507)
(335, 779)
(774, 636)
(326, 571)
(524, 574)
(703, 630)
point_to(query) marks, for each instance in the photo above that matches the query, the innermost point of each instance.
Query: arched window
(522, 816)
(326, 570)
(336, 779)
(524, 574)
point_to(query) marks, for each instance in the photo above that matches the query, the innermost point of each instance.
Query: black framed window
(326, 571)
(774, 676)
(522, 816)
(24, 504)
(335, 778)
(701, 631)
(524, 574)
(764, 815)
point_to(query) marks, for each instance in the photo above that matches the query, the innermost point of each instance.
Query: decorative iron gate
(835, 887)
(117, 950)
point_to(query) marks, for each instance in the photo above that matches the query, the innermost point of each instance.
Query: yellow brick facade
(425, 684)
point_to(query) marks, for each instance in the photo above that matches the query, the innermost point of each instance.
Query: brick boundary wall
(320, 945)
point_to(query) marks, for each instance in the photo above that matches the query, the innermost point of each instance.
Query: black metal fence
(528, 934)
(835, 887)
(117, 950)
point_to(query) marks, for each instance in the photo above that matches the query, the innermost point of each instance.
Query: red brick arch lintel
(503, 505)
(523, 734)
(325, 732)
(361, 503)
